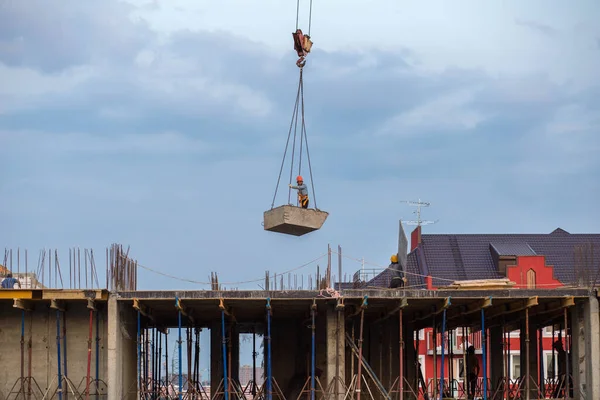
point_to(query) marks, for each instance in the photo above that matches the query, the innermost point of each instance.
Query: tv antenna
(418, 204)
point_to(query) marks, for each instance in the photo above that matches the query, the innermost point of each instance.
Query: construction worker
(473, 372)
(398, 279)
(302, 192)
(562, 359)
(302, 45)
(9, 282)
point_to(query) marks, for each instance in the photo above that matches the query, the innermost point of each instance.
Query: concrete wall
(40, 325)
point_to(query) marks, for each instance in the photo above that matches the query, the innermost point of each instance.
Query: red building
(529, 261)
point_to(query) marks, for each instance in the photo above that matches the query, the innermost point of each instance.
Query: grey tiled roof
(448, 258)
(513, 248)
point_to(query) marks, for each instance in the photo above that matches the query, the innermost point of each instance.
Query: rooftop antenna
(418, 204)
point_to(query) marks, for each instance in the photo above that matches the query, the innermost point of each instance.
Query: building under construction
(70, 336)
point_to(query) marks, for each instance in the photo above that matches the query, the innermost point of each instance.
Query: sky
(162, 125)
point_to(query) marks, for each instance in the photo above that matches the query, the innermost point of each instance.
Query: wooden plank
(68, 294)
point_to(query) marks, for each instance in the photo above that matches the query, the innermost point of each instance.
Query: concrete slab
(293, 220)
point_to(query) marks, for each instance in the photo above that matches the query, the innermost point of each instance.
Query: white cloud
(86, 144)
(451, 112)
(467, 34)
(24, 88)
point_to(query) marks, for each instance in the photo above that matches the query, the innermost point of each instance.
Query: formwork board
(292, 220)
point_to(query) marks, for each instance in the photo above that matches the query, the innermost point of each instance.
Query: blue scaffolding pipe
(224, 344)
(180, 357)
(442, 371)
(312, 356)
(58, 353)
(139, 350)
(269, 371)
(484, 354)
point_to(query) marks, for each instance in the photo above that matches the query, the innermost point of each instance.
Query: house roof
(448, 258)
(512, 248)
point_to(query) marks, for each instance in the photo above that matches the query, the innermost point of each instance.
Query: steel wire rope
(312, 182)
(309, 17)
(298, 97)
(229, 283)
(302, 132)
(310, 262)
(384, 268)
(297, 12)
(295, 112)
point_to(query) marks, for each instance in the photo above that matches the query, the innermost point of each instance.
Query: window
(459, 365)
(549, 369)
(422, 362)
(531, 279)
(547, 331)
(420, 334)
(515, 366)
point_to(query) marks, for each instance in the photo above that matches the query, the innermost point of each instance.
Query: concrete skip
(294, 220)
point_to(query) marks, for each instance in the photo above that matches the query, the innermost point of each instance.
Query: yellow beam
(16, 294)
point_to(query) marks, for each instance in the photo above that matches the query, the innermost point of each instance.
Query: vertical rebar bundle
(121, 269)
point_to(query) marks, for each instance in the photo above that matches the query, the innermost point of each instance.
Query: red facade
(527, 272)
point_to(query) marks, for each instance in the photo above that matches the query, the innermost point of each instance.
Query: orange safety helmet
(299, 178)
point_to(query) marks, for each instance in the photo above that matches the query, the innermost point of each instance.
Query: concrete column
(335, 351)
(578, 350)
(121, 350)
(115, 370)
(496, 360)
(591, 352)
(216, 356)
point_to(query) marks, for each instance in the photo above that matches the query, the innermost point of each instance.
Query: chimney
(415, 238)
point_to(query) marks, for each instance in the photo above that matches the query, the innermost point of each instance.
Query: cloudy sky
(161, 125)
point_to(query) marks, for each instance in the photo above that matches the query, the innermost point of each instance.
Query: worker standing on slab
(398, 278)
(302, 192)
(9, 282)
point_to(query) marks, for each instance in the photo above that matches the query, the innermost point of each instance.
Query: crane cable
(294, 126)
(309, 15)
(298, 109)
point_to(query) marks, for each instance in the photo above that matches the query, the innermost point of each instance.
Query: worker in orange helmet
(302, 192)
